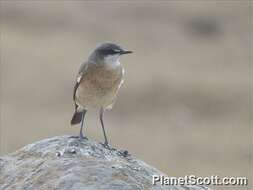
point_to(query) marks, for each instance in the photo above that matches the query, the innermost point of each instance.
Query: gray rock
(72, 164)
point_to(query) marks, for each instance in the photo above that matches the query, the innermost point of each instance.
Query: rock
(67, 163)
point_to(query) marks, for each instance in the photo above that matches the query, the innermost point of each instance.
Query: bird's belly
(97, 93)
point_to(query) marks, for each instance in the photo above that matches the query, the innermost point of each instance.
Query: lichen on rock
(67, 163)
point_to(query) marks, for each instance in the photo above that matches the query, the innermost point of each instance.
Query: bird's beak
(125, 52)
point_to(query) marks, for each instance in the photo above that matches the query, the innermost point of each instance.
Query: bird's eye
(116, 50)
(111, 51)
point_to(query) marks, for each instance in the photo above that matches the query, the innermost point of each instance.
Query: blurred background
(185, 106)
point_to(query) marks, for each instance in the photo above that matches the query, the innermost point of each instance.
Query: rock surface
(72, 164)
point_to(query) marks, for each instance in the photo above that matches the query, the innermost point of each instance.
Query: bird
(97, 84)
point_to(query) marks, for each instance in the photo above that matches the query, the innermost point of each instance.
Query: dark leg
(82, 124)
(102, 124)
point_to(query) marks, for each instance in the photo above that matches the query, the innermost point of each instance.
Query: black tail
(77, 118)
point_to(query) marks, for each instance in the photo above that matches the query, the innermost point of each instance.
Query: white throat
(112, 61)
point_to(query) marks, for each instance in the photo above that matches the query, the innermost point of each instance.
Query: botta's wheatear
(98, 82)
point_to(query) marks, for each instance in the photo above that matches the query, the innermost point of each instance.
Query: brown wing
(80, 76)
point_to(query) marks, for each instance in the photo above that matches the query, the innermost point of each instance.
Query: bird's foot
(74, 137)
(107, 146)
(82, 137)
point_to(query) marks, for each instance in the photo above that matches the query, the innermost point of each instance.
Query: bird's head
(108, 53)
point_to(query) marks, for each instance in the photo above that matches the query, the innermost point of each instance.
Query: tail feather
(77, 118)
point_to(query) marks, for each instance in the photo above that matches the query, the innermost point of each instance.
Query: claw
(80, 137)
(107, 146)
(74, 137)
(83, 137)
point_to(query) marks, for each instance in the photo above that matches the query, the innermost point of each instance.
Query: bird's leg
(81, 136)
(102, 124)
